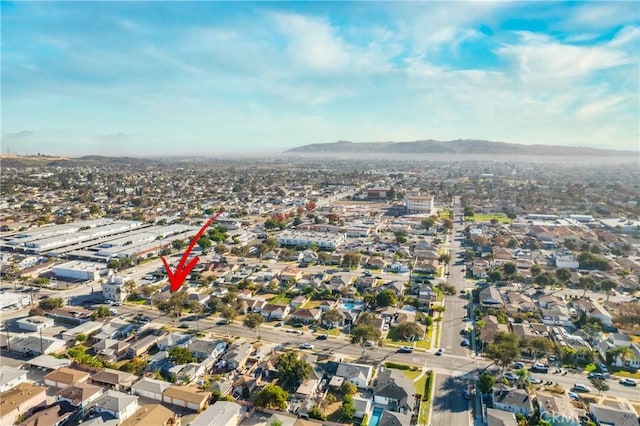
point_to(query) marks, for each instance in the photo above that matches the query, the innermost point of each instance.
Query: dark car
(322, 337)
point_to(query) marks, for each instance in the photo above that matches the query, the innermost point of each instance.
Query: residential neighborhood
(389, 296)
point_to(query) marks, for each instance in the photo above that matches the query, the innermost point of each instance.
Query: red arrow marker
(182, 271)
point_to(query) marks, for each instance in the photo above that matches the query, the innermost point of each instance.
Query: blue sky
(150, 78)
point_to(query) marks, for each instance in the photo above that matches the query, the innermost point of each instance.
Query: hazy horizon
(214, 78)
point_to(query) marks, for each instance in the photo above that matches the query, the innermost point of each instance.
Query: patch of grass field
(312, 304)
(425, 406)
(137, 302)
(487, 218)
(625, 373)
(590, 367)
(445, 214)
(330, 332)
(280, 300)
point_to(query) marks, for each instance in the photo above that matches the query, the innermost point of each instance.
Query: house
(594, 310)
(19, 400)
(70, 314)
(87, 328)
(203, 349)
(394, 390)
(615, 414)
(153, 414)
(237, 355)
(34, 323)
(515, 401)
(395, 286)
(392, 418)
(490, 297)
(306, 315)
(327, 305)
(519, 302)
(149, 388)
(375, 262)
(173, 339)
(118, 404)
(80, 395)
(358, 374)
(56, 414)
(186, 396)
(426, 295)
(221, 413)
(114, 379)
(557, 409)
(65, 376)
(10, 377)
(307, 389)
(142, 346)
(275, 312)
(298, 301)
(362, 406)
(48, 362)
(290, 273)
(426, 266)
(497, 417)
(492, 326)
(253, 304)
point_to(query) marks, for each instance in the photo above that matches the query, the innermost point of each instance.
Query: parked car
(467, 394)
(603, 367)
(511, 376)
(534, 380)
(439, 352)
(574, 396)
(628, 382)
(322, 337)
(464, 342)
(539, 367)
(406, 349)
(594, 375)
(578, 387)
(518, 365)
(306, 346)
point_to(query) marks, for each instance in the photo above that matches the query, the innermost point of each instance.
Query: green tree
(510, 268)
(331, 318)
(600, 385)
(292, 369)
(607, 285)
(178, 244)
(180, 355)
(386, 298)
(348, 388)
(586, 283)
(563, 274)
(539, 346)
(523, 377)
(316, 413)
(485, 383)
(444, 258)
(81, 337)
(536, 270)
(363, 333)
(348, 409)
(204, 243)
(272, 396)
(351, 259)
(428, 222)
(253, 321)
(228, 313)
(625, 353)
(410, 331)
(51, 303)
(504, 350)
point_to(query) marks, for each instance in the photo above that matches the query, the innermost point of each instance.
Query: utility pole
(6, 327)
(41, 344)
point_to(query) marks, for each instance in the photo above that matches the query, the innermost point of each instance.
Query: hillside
(460, 146)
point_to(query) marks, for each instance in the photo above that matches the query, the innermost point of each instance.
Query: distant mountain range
(460, 146)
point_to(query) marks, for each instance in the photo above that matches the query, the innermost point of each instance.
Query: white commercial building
(113, 289)
(417, 203)
(79, 270)
(16, 300)
(35, 323)
(323, 240)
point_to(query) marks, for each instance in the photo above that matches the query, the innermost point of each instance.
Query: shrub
(397, 366)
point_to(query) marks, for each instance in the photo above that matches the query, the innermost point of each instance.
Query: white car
(574, 396)
(439, 352)
(628, 382)
(578, 387)
(511, 376)
(306, 346)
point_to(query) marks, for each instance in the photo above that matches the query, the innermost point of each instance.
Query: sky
(183, 78)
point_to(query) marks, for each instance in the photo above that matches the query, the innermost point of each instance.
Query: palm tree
(625, 353)
(523, 377)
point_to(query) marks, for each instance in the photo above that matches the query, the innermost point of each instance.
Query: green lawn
(331, 332)
(282, 300)
(590, 367)
(625, 373)
(487, 218)
(411, 375)
(312, 304)
(425, 406)
(137, 302)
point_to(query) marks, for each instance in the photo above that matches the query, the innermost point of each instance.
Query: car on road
(222, 322)
(603, 367)
(322, 337)
(117, 304)
(518, 365)
(279, 324)
(579, 387)
(574, 396)
(439, 352)
(534, 380)
(511, 376)
(464, 342)
(539, 367)
(628, 382)
(594, 375)
(406, 349)
(306, 346)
